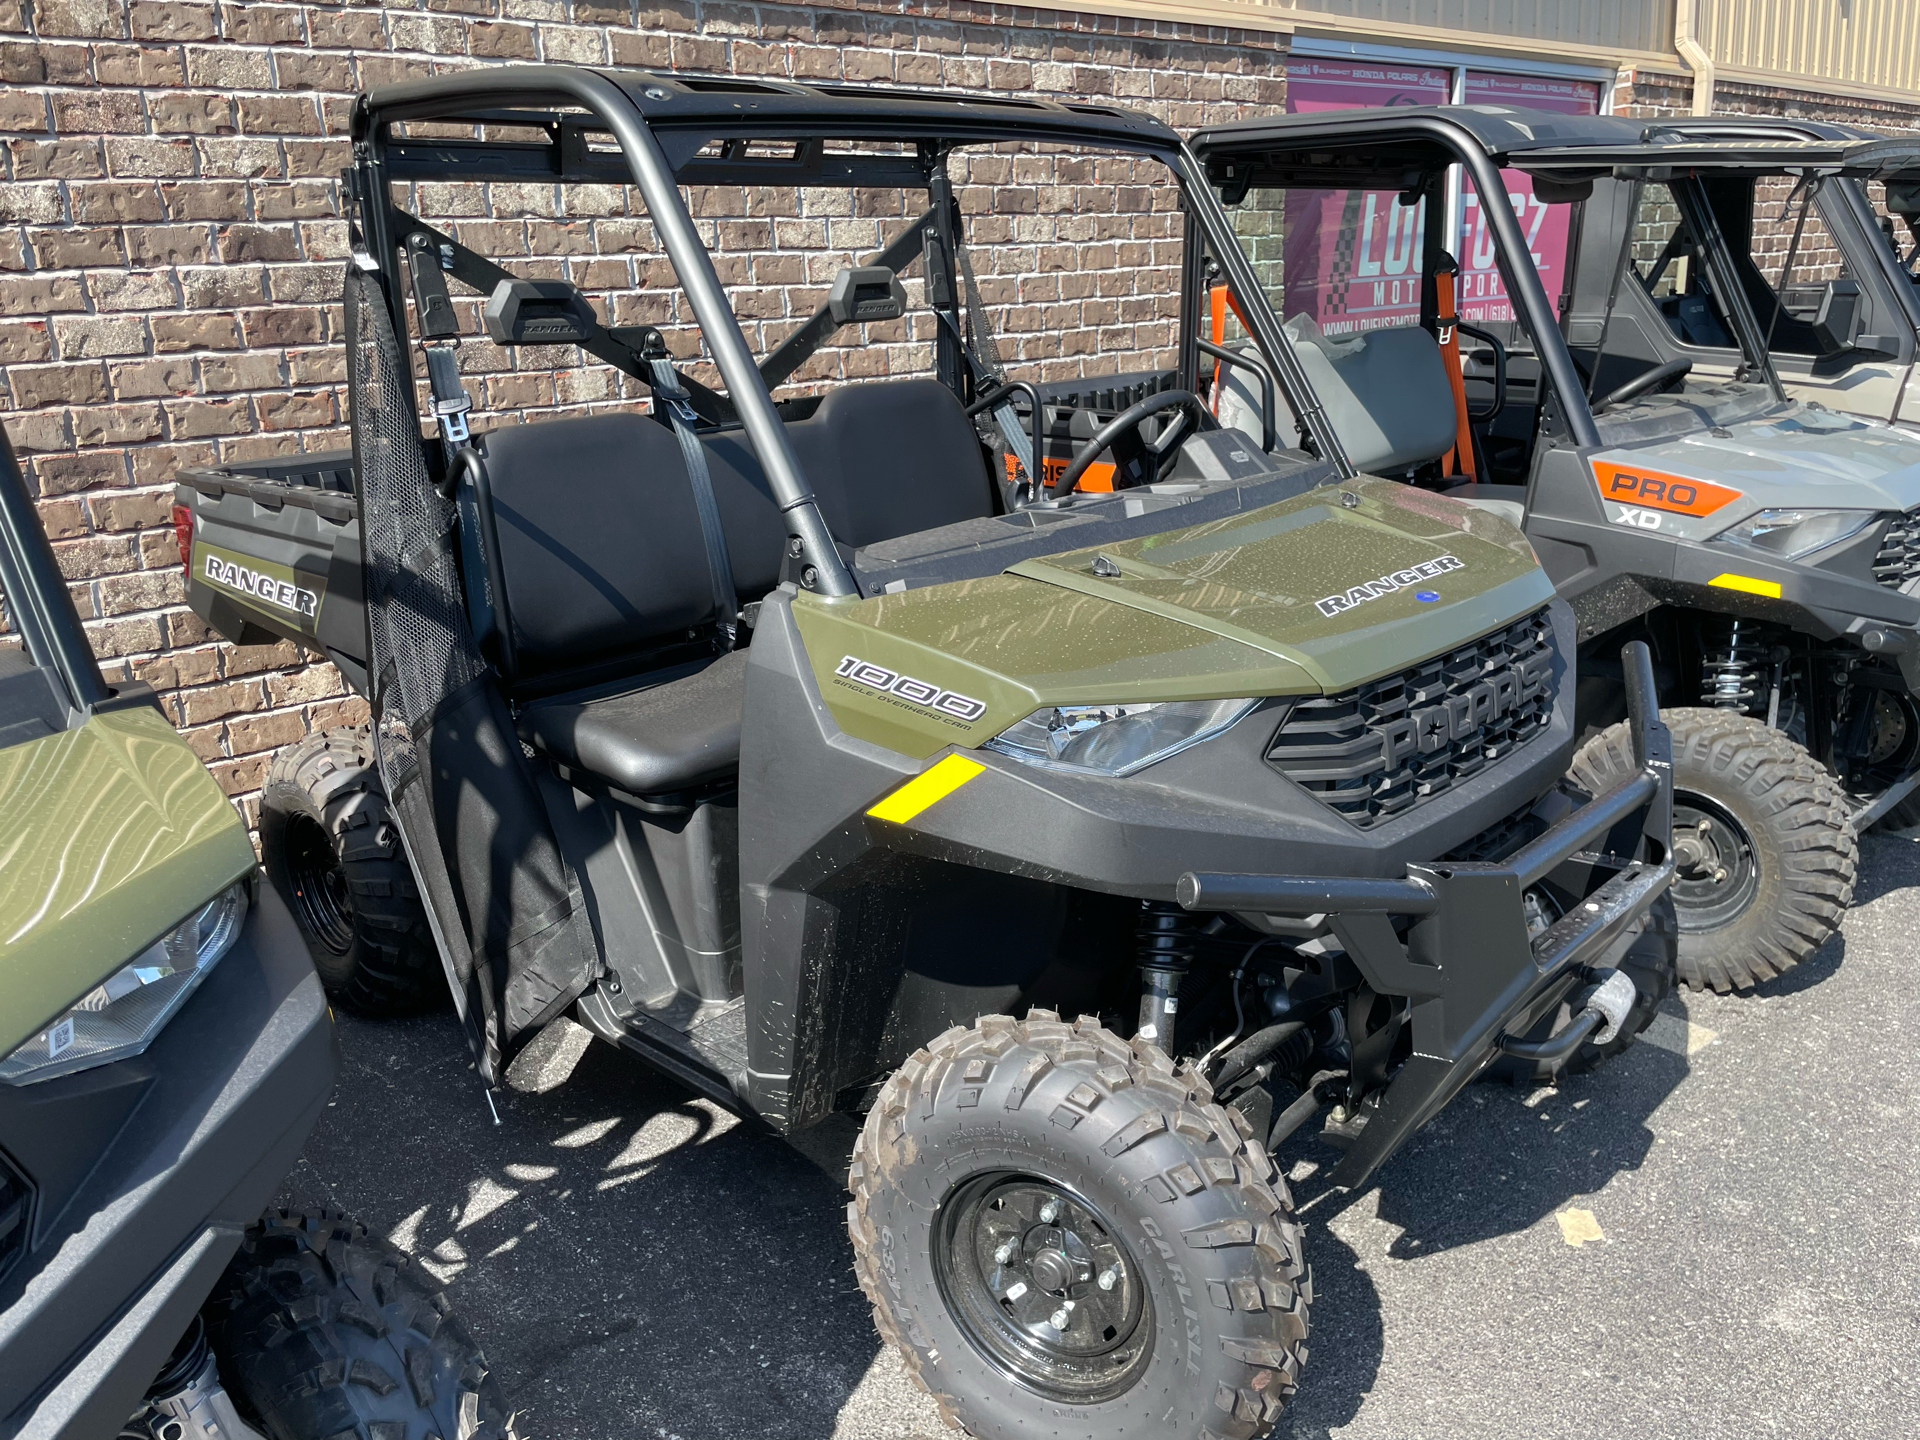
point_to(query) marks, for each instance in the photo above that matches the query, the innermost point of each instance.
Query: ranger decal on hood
(1387, 584)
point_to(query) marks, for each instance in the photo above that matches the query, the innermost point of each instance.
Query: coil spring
(1165, 936)
(1733, 673)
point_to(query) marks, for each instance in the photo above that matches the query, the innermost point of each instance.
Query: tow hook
(1603, 1009)
(1613, 997)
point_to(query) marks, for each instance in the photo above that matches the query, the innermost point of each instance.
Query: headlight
(1790, 534)
(121, 1015)
(1114, 739)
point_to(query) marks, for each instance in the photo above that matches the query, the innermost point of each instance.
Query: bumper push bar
(1451, 938)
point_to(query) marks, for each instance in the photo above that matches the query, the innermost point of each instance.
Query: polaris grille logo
(905, 690)
(280, 593)
(1387, 584)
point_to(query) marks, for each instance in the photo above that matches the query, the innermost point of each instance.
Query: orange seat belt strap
(1459, 460)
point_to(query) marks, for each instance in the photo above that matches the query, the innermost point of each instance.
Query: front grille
(1898, 560)
(16, 1209)
(1397, 742)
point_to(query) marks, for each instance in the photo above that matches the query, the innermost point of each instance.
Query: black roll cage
(1356, 148)
(663, 127)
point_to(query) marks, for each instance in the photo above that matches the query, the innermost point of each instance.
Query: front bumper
(1472, 975)
(147, 1171)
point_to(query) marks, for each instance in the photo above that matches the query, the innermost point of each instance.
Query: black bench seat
(676, 730)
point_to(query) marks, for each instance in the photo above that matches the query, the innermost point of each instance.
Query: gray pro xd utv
(1767, 550)
(164, 1050)
(826, 750)
(1827, 271)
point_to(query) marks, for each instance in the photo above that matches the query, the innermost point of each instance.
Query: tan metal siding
(1853, 42)
(1589, 29)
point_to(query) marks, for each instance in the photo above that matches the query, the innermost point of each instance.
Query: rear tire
(1202, 1332)
(1763, 841)
(333, 852)
(328, 1332)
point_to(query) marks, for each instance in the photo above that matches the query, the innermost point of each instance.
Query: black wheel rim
(321, 899)
(1042, 1286)
(1716, 872)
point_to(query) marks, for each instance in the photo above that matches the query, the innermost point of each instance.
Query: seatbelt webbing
(450, 399)
(668, 394)
(1459, 460)
(984, 356)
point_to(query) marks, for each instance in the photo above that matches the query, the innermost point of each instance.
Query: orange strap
(1219, 301)
(1459, 460)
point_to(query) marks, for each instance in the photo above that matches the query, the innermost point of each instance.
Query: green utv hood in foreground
(1311, 596)
(109, 834)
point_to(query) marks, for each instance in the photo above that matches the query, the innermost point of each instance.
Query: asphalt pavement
(1718, 1235)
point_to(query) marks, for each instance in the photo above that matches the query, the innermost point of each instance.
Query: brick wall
(171, 246)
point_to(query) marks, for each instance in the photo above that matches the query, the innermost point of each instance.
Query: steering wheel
(1128, 421)
(1652, 379)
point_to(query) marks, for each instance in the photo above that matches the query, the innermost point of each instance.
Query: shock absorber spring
(1733, 673)
(1164, 942)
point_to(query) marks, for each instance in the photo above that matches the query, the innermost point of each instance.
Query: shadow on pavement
(1498, 1160)
(618, 1246)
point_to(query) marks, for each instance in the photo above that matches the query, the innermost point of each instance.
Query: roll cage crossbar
(659, 132)
(1404, 148)
(1234, 160)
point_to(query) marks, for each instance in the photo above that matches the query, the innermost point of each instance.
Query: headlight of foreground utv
(121, 1015)
(1789, 534)
(1114, 739)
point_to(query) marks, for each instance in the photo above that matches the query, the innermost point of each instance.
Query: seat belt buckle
(451, 416)
(450, 401)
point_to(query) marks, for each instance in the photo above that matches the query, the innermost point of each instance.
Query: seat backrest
(885, 459)
(1386, 392)
(600, 546)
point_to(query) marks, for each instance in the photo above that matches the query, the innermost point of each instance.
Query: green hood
(1313, 595)
(109, 834)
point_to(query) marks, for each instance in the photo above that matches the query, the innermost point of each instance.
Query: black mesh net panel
(507, 910)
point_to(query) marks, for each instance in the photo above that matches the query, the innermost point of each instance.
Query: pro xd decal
(281, 592)
(1640, 498)
(906, 691)
(1387, 584)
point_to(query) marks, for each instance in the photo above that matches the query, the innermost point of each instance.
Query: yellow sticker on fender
(1747, 584)
(925, 789)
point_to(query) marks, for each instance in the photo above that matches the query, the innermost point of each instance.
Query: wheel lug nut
(1110, 1276)
(1005, 1253)
(1049, 1212)
(1060, 1318)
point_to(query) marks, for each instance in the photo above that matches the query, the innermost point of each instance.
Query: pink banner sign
(1352, 257)
(1482, 295)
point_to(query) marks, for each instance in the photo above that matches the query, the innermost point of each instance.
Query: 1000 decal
(915, 694)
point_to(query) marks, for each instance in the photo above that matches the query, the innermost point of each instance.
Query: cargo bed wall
(276, 555)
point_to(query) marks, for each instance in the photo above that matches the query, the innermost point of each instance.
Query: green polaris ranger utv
(164, 1049)
(1766, 550)
(827, 743)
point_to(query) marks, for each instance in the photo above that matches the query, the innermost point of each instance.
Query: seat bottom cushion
(670, 732)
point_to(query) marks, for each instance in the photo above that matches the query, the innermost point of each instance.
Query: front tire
(1764, 847)
(1010, 1168)
(332, 850)
(329, 1332)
